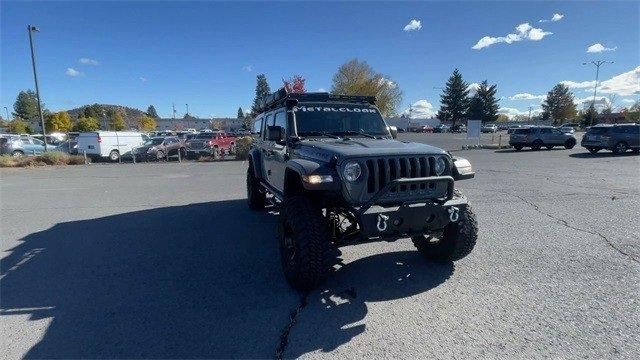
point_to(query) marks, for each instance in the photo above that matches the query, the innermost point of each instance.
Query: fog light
(317, 179)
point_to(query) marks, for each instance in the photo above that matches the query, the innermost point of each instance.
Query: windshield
(598, 130)
(154, 141)
(339, 120)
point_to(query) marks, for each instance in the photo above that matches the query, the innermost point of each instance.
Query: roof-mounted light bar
(281, 97)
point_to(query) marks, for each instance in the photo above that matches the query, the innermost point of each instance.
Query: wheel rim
(621, 147)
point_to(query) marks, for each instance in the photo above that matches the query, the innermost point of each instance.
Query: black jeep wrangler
(332, 167)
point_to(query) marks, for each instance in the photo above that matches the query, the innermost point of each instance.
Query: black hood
(362, 147)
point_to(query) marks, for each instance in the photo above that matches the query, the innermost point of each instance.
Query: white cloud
(511, 112)
(578, 85)
(413, 25)
(473, 88)
(422, 109)
(248, 68)
(598, 48)
(524, 32)
(143, 79)
(87, 61)
(72, 72)
(625, 84)
(629, 101)
(555, 17)
(600, 103)
(322, 90)
(527, 96)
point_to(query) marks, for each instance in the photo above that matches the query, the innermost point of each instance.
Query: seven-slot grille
(382, 170)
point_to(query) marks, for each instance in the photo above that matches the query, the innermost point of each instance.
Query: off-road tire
(569, 144)
(114, 155)
(593, 150)
(620, 148)
(457, 241)
(517, 147)
(255, 198)
(304, 243)
(536, 145)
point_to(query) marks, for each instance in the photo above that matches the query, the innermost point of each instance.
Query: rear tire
(114, 155)
(255, 198)
(569, 144)
(17, 154)
(304, 241)
(457, 241)
(517, 147)
(160, 155)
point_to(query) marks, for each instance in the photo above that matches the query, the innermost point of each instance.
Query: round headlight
(352, 171)
(441, 165)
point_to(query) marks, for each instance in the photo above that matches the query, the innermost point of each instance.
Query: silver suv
(618, 138)
(536, 137)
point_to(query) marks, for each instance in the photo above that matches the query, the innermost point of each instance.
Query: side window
(281, 120)
(257, 126)
(545, 131)
(556, 131)
(635, 130)
(269, 120)
(38, 142)
(25, 141)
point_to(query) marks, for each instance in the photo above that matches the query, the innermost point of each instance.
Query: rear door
(635, 136)
(267, 150)
(557, 137)
(279, 163)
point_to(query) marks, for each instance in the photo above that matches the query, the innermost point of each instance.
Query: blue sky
(208, 54)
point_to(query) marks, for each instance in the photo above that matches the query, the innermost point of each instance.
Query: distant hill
(131, 115)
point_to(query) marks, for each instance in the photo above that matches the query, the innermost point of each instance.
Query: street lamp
(30, 30)
(7, 112)
(597, 65)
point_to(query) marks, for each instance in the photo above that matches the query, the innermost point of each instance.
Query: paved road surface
(165, 261)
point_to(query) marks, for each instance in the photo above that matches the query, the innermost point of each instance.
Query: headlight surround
(352, 171)
(440, 165)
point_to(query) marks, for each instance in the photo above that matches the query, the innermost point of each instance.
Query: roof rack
(281, 97)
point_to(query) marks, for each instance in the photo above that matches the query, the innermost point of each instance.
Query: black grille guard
(408, 183)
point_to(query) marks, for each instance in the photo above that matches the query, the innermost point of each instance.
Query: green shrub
(243, 145)
(7, 161)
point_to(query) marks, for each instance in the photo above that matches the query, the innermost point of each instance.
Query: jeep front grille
(383, 170)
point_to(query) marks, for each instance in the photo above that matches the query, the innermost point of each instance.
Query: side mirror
(274, 133)
(394, 131)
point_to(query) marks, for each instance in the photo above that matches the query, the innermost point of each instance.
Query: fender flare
(255, 161)
(303, 167)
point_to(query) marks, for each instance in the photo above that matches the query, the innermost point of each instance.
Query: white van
(109, 144)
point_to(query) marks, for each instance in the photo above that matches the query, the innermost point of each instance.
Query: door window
(545, 131)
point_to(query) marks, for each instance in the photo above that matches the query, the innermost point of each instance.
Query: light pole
(7, 112)
(30, 30)
(530, 108)
(595, 87)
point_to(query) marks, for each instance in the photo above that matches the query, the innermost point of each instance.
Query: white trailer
(109, 144)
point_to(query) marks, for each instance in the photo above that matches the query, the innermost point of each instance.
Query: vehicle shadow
(333, 317)
(194, 281)
(604, 154)
(525, 150)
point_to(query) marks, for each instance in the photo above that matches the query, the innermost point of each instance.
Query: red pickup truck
(210, 143)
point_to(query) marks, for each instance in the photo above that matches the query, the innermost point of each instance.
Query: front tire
(114, 155)
(620, 148)
(255, 197)
(569, 144)
(517, 147)
(304, 241)
(457, 240)
(536, 145)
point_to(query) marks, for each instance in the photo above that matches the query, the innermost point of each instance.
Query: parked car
(574, 126)
(51, 140)
(536, 137)
(160, 148)
(460, 128)
(110, 145)
(210, 143)
(618, 138)
(442, 128)
(512, 128)
(503, 127)
(427, 129)
(69, 146)
(566, 129)
(489, 128)
(21, 145)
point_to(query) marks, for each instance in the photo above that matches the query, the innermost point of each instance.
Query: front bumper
(410, 217)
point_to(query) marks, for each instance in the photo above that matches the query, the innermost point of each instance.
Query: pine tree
(26, 105)
(454, 99)
(590, 117)
(559, 105)
(484, 105)
(151, 111)
(240, 113)
(262, 90)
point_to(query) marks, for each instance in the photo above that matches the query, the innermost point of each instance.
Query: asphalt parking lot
(164, 260)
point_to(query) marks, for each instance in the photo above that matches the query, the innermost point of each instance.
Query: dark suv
(536, 137)
(331, 166)
(618, 138)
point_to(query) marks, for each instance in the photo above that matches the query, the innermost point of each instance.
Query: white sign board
(473, 129)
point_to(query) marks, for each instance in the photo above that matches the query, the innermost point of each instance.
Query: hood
(325, 149)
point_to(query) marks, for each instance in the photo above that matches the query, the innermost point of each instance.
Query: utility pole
(30, 30)
(530, 107)
(7, 112)
(187, 109)
(595, 87)
(173, 105)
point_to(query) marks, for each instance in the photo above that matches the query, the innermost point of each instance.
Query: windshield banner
(334, 109)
